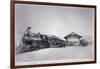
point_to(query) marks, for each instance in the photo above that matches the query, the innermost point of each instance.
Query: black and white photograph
(46, 34)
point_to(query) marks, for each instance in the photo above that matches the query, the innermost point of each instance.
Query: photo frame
(51, 34)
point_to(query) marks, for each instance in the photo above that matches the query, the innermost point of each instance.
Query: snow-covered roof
(54, 37)
(73, 35)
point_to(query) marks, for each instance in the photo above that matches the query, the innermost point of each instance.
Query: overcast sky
(59, 21)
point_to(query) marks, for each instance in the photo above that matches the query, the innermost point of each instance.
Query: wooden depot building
(73, 39)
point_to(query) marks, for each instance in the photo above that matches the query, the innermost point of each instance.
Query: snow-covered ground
(72, 53)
